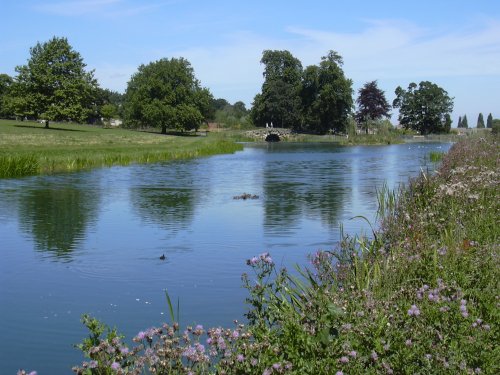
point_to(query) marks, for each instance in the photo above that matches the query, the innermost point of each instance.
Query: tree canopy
(166, 94)
(54, 85)
(332, 100)
(372, 104)
(424, 107)
(317, 99)
(279, 102)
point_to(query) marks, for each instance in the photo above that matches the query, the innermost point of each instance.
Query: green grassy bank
(26, 148)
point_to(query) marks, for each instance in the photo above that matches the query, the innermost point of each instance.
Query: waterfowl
(162, 257)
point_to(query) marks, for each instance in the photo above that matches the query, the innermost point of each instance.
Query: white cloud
(384, 50)
(390, 49)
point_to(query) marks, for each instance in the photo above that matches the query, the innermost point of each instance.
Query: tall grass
(18, 165)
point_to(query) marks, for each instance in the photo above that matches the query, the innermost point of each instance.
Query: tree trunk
(163, 129)
(46, 124)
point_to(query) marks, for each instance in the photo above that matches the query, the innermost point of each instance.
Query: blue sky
(455, 44)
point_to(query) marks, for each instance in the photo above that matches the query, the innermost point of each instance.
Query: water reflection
(57, 218)
(170, 208)
(297, 189)
(165, 194)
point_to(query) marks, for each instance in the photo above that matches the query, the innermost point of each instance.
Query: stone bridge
(270, 134)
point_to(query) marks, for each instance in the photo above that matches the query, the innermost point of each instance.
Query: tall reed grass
(18, 165)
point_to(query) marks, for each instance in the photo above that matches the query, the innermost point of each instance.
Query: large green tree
(480, 121)
(166, 94)
(424, 107)
(54, 84)
(372, 105)
(327, 95)
(279, 102)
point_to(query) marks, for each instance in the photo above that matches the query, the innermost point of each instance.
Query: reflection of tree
(325, 200)
(8, 205)
(172, 208)
(57, 218)
(282, 207)
(293, 190)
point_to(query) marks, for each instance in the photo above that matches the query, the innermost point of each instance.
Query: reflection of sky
(116, 272)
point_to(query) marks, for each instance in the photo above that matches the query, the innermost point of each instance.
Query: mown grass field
(27, 148)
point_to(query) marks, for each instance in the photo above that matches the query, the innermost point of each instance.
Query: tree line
(464, 123)
(54, 85)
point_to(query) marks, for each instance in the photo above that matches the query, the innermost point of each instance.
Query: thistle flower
(414, 311)
(115, 365)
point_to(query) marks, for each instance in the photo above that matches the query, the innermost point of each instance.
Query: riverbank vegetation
(27, 148)
(418, 296)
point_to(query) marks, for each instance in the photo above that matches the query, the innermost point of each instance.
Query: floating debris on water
(245, 196)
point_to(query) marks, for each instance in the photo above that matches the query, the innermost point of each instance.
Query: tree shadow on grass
(172, 132)
(49, 128)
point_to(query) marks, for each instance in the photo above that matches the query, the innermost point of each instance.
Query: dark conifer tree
(464, 122)
(489, 121)
(480, 121)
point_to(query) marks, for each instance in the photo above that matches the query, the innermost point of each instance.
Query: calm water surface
(90, 242)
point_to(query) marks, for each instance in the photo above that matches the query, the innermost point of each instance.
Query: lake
(91, 242)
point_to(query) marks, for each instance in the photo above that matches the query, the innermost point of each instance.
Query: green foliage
(109, 104)
(372, 105)
(54, 85)
(435, 156)
(495, 127)
(465, 123)
(447, 123)
(317, 100)
(423, 108)
(166, 94)
(480, 121)
(279, 102)
(5, 87)
(332, 93)
(109, 111)
(489, 121)
(233, 116)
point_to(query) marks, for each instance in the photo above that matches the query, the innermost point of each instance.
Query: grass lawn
(27, 148)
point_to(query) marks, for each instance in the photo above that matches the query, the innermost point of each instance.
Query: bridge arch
(273, 137)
